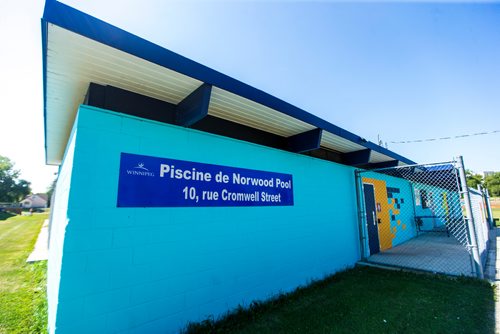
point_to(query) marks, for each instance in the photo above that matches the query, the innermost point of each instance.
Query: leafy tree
(473, 180)
(50, 191)
(492, 182)
(12, 189)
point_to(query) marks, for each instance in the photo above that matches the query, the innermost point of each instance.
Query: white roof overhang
(79, 49)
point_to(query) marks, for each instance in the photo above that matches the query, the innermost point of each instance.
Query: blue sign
(160, 182)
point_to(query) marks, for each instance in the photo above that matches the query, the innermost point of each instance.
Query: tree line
(490, 182)
(12, 188)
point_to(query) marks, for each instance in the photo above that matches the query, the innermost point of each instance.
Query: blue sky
(403, 71)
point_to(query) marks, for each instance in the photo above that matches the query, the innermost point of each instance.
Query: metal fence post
(361, 213)
(488, 208)
(484, 205)
(470, 218)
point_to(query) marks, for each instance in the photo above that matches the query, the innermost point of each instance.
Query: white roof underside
(339, 144)
(376, 157)
(73, 61)
(240, 110)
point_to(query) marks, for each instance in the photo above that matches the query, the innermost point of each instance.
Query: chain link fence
(423, 217)
(478, 205)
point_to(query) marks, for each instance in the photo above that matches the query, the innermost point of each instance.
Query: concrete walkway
(41, 249)
(492, 271)
(432, 252)
(492, 268)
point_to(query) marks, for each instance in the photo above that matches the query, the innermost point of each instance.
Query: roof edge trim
(44, 80)
(88, 26)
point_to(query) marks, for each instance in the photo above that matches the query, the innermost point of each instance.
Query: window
(423, 197)
(426, 199)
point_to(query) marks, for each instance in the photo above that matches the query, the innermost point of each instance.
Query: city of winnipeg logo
(140, 170)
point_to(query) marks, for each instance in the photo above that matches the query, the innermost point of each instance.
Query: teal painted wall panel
(437, 206)
(58, 223)
(145, 269)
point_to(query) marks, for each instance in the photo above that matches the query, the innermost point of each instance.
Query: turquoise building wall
(57, 227)
(440, 202)
(150, 270)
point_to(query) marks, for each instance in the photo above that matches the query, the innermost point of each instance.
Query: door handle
(374, 218)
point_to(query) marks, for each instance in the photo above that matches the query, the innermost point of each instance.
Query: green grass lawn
(360, 300)
(23, 307)
(370, 300)
(496, 214)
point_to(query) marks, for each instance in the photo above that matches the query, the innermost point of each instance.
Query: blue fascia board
(44, 80)
(100, 31)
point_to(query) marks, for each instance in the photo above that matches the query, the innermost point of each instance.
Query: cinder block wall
(148, 270)
(58, 222)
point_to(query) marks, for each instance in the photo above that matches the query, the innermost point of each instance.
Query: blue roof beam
(357, 158)
(385, 164)
(194, 107)
(305, 141)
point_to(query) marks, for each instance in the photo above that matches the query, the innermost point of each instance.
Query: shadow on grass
(368, 300)
(4, 215)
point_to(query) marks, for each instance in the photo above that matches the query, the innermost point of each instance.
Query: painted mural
(394, 206)
(404, 209)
